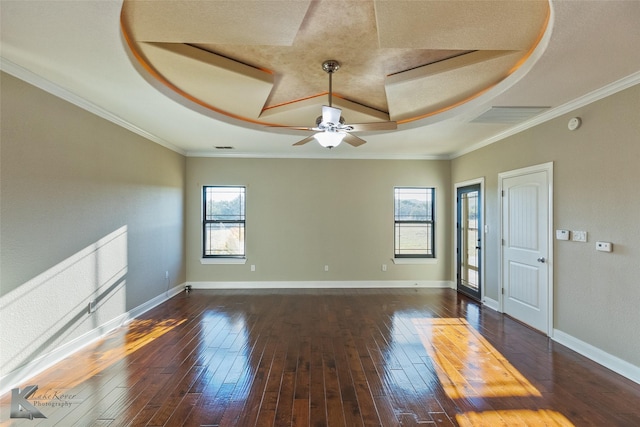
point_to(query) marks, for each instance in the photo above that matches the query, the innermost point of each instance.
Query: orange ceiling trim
(535, 44)
(282, 104)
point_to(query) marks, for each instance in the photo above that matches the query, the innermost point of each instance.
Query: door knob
(541, 259)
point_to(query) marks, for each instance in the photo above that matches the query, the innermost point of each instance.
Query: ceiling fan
(330, 129)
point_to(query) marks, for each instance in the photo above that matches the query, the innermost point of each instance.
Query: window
(414, 222)
(223, 222)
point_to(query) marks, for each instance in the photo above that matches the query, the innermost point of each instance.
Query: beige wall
(304, 214)
(596, 176)
(89, 211)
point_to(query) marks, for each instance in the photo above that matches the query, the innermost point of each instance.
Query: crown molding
(30, 77)
(596, 95)
(330, 155)
(33, 79)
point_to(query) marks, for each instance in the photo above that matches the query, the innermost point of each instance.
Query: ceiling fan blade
(353, 140)
(373, 126)
(331, 114)
(304, 141)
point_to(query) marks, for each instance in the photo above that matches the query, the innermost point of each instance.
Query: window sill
(223, 260)
(415, 261)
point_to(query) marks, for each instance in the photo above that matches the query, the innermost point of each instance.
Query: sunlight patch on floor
(97, 357)
(467, 364)
(469, 367)
(513, 418)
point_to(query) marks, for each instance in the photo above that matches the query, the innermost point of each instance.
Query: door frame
(481, 226)
(544, 167)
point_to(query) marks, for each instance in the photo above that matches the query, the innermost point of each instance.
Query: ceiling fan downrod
(330, 66)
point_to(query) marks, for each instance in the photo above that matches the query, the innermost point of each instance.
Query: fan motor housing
(319, 120)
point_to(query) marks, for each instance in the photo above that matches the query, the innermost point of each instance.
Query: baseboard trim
(491, 303)
(351, 284)
(605, 359)
(143, 308)
(30, 370)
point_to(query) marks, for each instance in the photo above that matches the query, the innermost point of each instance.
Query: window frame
(220, 258)
(430, 244)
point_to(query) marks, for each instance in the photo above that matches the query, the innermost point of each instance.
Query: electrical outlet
(166, 274)
(253, 267)
(604, 246)
(326, 268)
(384, 267)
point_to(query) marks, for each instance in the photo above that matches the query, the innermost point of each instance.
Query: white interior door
(526, 227)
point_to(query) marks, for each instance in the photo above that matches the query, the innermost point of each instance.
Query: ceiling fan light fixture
(329, 139)
(330, 127)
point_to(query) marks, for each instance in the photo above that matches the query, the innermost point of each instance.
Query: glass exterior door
(469, 238)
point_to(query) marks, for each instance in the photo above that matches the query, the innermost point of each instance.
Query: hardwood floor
(413, 357)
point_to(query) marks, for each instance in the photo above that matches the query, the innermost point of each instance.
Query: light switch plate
(562, 234)
(579, 236)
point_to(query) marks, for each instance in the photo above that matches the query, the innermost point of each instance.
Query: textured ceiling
(403, 59)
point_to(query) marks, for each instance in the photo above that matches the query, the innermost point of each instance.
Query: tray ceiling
(261, 61)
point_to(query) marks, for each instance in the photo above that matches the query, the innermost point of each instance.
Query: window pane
(472, 206)
(414, 222)
(413, 239)
(413, 204)
(224, 203)
(223, 224)
(224, 239)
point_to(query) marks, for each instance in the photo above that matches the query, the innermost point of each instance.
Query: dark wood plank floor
(414, 357)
